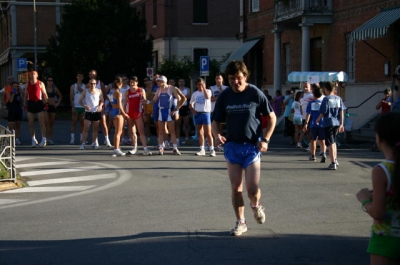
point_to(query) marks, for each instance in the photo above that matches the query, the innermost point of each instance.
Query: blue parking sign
(22, 64)
(204, 66)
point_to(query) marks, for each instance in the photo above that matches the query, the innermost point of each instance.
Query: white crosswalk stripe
(40, 182)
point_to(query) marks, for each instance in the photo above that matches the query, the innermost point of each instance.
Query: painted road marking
(71, 179)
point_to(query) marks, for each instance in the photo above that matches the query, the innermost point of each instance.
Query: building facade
(25, 28)
(190, 28)
(358, 37)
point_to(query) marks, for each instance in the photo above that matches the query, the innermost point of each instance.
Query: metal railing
(362, 103)
(7, 155)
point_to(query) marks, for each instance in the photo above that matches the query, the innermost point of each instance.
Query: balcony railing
(292, 8)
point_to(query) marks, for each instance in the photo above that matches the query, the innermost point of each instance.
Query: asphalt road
(176, 210)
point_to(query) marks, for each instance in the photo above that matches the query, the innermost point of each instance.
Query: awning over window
(316, 77)
(239, 53)
(377, 27)
(4, 57)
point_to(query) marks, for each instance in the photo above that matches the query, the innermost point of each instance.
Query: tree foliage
(104, 35)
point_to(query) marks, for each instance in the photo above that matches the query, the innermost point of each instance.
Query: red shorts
(135, 115)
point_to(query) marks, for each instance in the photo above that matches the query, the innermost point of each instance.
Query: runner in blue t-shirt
(316, 130)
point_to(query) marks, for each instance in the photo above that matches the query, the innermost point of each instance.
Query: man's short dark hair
(235, 67)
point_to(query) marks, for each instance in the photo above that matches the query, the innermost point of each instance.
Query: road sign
(149, 72)
(22, 64)
(204, 66)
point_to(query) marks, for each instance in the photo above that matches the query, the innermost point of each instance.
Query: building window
(197, 52)
(350, 55)
(316, 55)
(255, 5)
(287, 59)
(200, 11)
(154, 12)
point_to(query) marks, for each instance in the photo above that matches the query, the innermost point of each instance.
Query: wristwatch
(265, 140)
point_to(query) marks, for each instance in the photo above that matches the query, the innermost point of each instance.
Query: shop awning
(377, 27)
(239, 53)
(4, 57)
(316, 77)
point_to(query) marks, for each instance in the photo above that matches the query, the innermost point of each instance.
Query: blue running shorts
(202, 118)
(243, 154)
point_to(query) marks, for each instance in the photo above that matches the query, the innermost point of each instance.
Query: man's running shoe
(332, 166)
(50, 142)
(34, 142)
(313, 158)
(299, 145)
(220, 149)
(17, 141)
(82, 147)
(133, 151)
(72, 142)
(212, 153)
(176, 152)
(323, 159)
(239, 229)
(160, 151)
(43, 143)
(201, 153)
(187, 141)
(147, 152)
(336, 162)
(118, 152)
(95, 146)
(308, 149)
(259, 214)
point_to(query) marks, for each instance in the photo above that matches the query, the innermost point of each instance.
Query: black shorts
(35, 106)
(14, 116)
(184, 111)
(51, 109)
(330, 134)
(93, 116)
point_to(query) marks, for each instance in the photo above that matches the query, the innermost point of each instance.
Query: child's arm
(376, 206)
(306, 122)
(341, 126)
(319, 118)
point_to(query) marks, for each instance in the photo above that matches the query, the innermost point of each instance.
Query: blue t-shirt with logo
(331, 108)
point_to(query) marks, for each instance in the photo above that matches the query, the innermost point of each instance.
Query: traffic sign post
(149, 72)
(22, 64)
(204, 66)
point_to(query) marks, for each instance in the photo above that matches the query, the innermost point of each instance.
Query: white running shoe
(95, 146)
(133, 151)
(147, 152)
(82, 147)
(107, 143)
(43, 143)
(160, 151)
(178, 142)
(118, 152)
(212, 153)
(17, 141)
(201, 153)
(259, 214)
(176, 152)
(50, 142)
(72, 142)
(34, 143)
(239, 229)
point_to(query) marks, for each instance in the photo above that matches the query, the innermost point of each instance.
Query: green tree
(98, 34)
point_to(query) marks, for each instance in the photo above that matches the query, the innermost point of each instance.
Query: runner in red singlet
(35, 102)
